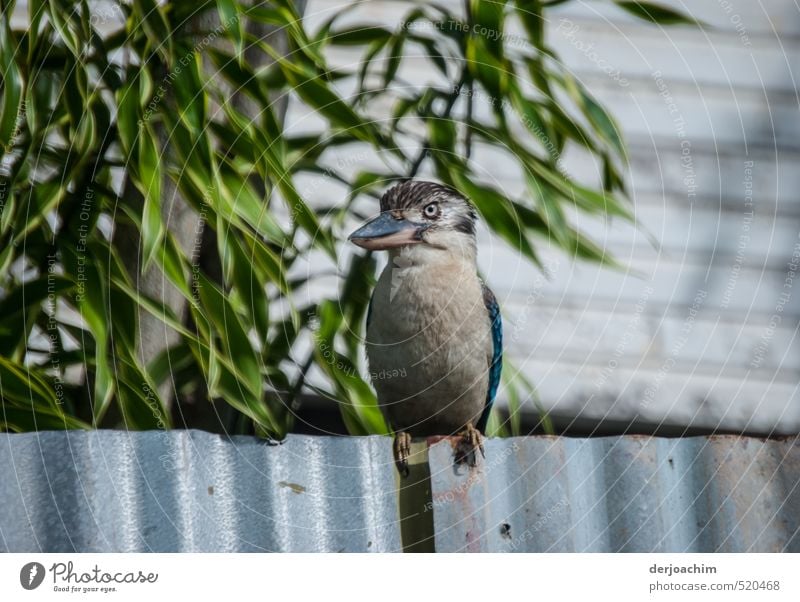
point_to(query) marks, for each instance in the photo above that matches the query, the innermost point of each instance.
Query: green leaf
(494, 73)
(190, 95)
(603, 123)
(169, 258)
(170, 362)
(143, 408)
(23, 385)
(224, 379)
(442, 134)
(293, 22)
(127, 98)
(31, 294)
(318, 95)
(549, 206)
(36, 10)
(530, 13)
(395, 55)
(355, 296)
(487, 22)
(531, 116)
(38, 105)
(301, 215)
(586, 198)
(7, 214)
(66, 33)
(358, 404)
(373, 50)
(359, 35)
(85, 267)
(12, 86)
(228, 327)
(164, 313)
(149, 182)
(152, 20)
(23, 420)
(656, 13)
(434, 54)
(41, 199)
(75, 83)
(253, 210)
(268, 262)
(366, 180)
(229, 15)
(244, 79)
(500, 213)
(140, 405)
(86, 135)
(6, 258)
(250, 290)
(265, 14)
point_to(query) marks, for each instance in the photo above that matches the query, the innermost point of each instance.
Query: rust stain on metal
(293, 486)
(721, 493)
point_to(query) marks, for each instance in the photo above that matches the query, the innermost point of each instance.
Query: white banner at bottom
(390, 577)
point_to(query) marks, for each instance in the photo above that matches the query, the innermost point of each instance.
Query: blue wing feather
(496, 366)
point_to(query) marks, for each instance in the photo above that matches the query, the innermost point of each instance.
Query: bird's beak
(387, 232)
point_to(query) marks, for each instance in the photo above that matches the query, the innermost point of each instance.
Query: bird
(434, 337)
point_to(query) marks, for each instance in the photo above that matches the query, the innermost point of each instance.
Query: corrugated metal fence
(192, 491)
(111, 491)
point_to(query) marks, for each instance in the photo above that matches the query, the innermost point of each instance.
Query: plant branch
(468, 139)
(451, 101)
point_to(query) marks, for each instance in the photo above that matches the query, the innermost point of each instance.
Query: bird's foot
(469, 445)
(402, 450)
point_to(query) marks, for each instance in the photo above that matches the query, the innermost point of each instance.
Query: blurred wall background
(700, 331)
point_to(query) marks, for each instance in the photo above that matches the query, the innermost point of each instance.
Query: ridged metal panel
(626, 494)
(192, 491)
(117, 491)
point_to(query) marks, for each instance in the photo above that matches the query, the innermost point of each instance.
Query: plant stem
(471, 85)
(468, 139)
(451, 101)
(294, 394)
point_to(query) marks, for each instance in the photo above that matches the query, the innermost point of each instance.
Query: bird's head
(429, 216)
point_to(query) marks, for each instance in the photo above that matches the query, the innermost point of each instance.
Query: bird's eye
(431, 210)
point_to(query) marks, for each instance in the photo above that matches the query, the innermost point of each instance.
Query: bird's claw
(470, 442)
(402, 451)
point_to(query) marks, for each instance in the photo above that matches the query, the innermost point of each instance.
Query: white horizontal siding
(758, 17)
(622, 345)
